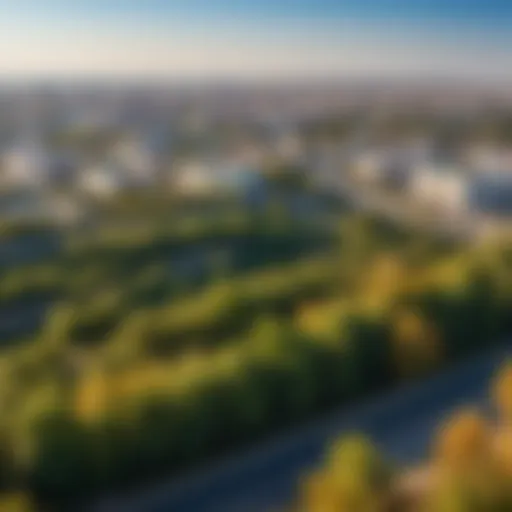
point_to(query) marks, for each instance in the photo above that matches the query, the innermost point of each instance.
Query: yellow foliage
(171, 377)
(318, 495)
(387, 275)
(326, 492)
(92, 396)
(503, 449)
(321, 318)
(416, 343)
(15, 503)
(463, 441)
(451, 272)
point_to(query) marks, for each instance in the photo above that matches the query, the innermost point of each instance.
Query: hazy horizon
(242, 40)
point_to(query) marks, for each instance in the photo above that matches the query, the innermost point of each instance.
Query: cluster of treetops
(133, 233)
(452, 129)
(174, 385)
(108, 272)
(469, 468)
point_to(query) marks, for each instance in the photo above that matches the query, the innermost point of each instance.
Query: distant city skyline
(243, 39)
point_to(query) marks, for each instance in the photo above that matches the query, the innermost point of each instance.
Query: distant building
(491, 193)
(103, 180)
(38, 205)
(489, 158)
(289, 147)
(136, 158)
(26, 165)
(368, 166)
(193, 178)
(203, 179)
(132, 163)
(250, 154)
(63, 168)
(443, 187)
(30, 165)
(385, 167)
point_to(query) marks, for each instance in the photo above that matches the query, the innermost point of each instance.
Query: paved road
(401, 423)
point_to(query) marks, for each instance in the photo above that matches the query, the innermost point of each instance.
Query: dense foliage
(126, 382)
(469, 469)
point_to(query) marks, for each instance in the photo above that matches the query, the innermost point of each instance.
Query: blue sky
(251, 38)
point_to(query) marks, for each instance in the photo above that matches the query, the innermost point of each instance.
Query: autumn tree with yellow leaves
(416, 343)
(355, 477)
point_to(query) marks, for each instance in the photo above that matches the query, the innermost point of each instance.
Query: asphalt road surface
(260, 480)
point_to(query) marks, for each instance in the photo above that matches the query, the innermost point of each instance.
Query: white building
(193, 178)
(210, 178)
(103, 180)
(387, 167)
(30, 165)
(369, 166)
(26, 165)
(446, 188)
(136, 158)
(131, 164)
